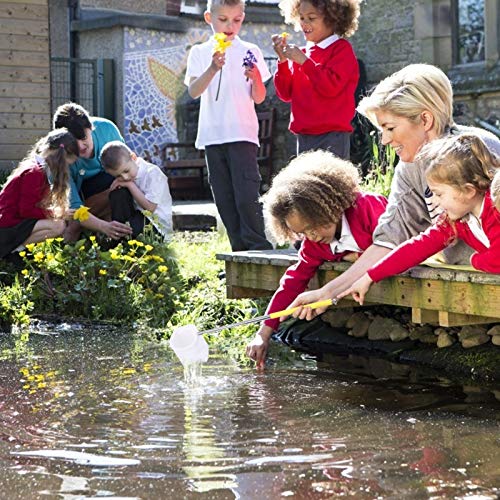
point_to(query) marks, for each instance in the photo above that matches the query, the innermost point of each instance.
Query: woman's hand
(257, 349)
(116, 230)
(359, 289)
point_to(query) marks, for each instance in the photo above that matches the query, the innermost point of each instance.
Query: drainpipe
(73, 14)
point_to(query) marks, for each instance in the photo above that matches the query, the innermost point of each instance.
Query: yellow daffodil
(284, 34)
(30, 246)
(221, 43)
(148, 248)
(103, 272)
(92, 238)
(25, 272)
(81, 214)
(162, 269)
(22, 254)
(38, 257)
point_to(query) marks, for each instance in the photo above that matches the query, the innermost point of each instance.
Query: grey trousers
(234, 178)
(338, 143)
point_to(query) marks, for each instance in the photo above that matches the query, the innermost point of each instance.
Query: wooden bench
(435, 295)
(187, 173)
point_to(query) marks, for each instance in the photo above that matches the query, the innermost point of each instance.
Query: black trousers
(123, 210)
(234, 177)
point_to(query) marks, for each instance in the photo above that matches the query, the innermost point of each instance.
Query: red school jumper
(21, 196)
(439, 236)
(321, 90)
(362, 218)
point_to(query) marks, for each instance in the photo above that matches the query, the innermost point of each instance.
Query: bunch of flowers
(132, 281)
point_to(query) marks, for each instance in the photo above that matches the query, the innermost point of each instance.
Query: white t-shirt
(232, 117)
(154, 184)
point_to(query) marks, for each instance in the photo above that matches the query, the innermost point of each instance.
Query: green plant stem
(218, 86)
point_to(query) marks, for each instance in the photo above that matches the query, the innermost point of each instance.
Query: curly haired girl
(316, 198)
(320, 79)
(34, 200)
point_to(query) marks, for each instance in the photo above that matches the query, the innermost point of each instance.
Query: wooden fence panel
(24, 77)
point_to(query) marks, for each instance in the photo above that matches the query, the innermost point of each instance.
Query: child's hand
(257, 349)
(294, 53)
(68, 215)
(218, 60)
(279, 43)
(351, 257)
(253, 73)
(308, 298)
(359, 289)
(118, 183)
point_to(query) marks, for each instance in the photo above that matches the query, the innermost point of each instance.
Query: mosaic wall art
(154, 68)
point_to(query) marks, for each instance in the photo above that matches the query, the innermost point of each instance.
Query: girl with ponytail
(34, 199)
(459, 172)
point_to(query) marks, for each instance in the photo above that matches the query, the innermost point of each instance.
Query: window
(470, 39)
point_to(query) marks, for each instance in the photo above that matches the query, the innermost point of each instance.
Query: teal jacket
(104, 131)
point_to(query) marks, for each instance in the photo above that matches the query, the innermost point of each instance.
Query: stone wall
(385, 40)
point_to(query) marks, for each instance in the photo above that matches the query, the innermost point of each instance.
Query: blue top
(104, 131)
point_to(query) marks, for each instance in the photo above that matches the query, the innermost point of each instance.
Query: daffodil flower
(81, 214)
(284, 34)
(221, 44)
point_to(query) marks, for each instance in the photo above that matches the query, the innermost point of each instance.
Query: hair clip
(61, 145)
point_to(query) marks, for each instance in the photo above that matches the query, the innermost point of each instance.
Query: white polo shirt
(232, 117)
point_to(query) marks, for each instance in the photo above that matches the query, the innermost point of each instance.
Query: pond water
(95, 413)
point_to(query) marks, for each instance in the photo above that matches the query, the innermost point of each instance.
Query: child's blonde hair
(341, 15)
(458, 160)
(316, 185)
(58, 148)
(114, 154)
(213, 4)
(409, 92)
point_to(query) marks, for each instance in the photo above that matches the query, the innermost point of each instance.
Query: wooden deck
(447, 297)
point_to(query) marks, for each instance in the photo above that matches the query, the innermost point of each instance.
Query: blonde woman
(412, 107)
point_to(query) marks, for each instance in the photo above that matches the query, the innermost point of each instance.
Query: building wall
(24, 77)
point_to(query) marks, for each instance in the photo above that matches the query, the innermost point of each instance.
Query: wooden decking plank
(450, 297)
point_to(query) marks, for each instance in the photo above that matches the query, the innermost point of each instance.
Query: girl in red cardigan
(320, 79)
(459, 174)
(34, 199)
(315, 198)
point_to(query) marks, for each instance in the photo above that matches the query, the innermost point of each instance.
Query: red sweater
(21, 196)
(321, 90)
(362, 219)
(439, 236)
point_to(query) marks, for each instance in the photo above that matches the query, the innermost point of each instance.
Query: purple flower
(249, 60)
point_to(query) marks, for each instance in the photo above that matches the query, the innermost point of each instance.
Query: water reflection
(103, 412)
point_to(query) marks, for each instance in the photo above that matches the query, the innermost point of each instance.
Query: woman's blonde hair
(409, 92)
(316, 185)
(459, 160)
(57, 148)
